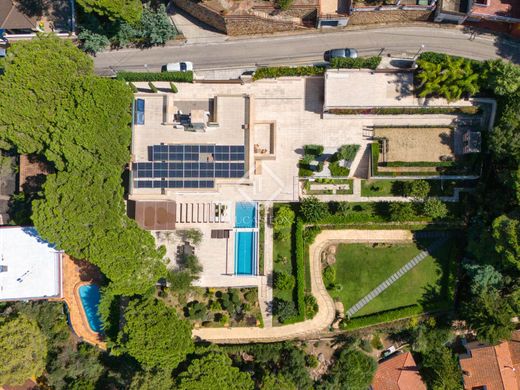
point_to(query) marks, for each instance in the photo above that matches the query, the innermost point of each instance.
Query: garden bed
(396, 187)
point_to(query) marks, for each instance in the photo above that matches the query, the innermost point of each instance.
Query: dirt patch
(417, 144)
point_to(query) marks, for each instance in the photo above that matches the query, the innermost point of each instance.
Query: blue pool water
(244, 252)
(90, 297)
(245, 215)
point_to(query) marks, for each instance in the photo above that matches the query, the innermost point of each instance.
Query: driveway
(309, 48)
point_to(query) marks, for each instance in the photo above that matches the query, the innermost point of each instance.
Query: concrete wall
(388, 16)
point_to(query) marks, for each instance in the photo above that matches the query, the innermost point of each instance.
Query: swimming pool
(246, 238)
(245, 215)
(90, 296)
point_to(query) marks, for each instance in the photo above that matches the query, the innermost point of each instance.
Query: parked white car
(183, 66)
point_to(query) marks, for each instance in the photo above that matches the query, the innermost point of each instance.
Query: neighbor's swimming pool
(90, 296)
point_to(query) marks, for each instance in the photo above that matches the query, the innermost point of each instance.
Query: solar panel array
(189, 166)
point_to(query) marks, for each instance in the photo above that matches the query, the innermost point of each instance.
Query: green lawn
(283, 249)
(394, 187)
(362, 267)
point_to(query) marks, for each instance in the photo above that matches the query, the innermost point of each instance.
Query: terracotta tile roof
(506, 8)
(398, 373)
(12, 18)
(492, 366)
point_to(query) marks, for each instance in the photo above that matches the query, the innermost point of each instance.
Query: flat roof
(151, 215)
(30, 268)
(365, 88)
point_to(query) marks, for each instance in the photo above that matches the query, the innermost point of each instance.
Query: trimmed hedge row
(467, 110)
(300, 267)
(356, 63)
(181, 77)
(419, 164)
(286, 71)
(382, 317)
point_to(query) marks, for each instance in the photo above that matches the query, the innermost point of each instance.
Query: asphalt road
(309, 48)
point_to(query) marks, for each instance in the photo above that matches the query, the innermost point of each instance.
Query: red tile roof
(398, 373)
(496, 367)
(505, 8)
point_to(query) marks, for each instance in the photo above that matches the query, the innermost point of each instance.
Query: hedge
(384, 316)
(313, 150)
(419, 164)
(375, 157)
(466, 110)
(299, 261)
(281, 71)
(336, 170)
(356, 63)
(181, 77)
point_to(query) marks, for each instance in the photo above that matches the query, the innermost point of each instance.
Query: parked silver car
(341, 53)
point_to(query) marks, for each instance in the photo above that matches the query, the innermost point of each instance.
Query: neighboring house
(339, 13)
(24, 19)
(30, 268)
(492, 367)
(398, 372)
(502, 15)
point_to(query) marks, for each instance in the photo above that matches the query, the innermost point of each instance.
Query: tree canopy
(128, 10)
(155, 335)
(68, 116)
(351, 370)
(213, 371)
(23, 350)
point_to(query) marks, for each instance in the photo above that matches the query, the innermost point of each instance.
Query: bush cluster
(285, 71)
(381, 317)
(180, 77)
(356, 63)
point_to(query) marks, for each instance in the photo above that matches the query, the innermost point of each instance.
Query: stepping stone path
(402, 271)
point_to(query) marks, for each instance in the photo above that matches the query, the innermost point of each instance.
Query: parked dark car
(341, 53)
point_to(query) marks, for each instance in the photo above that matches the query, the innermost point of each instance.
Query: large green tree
(506, 232)
(155, 335)
(440, 370)
(128, 10)
(80, 123)
(213, 371)
(351, 370)
(23, 350)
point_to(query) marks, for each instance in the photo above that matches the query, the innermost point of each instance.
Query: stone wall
(249, 24)
(203, 13)
(388, 16)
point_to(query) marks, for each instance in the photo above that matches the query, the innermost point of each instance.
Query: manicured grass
(283, 249)
(395, 187)
(362, 267)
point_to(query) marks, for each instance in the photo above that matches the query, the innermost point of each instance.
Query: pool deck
(74, 276)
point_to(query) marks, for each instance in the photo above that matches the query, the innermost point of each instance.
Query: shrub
(283, 220)
(311, 361)
(375, 157)
(196, 310)
(283, 281)
(466, 110)
(376, 342)
(347, 152)
(93, 42)
(300, 268)
(337, 170)
(319, 168)
(284, 309)
(311, 306)
(312, 210)
(133, 87)
(304, 171)
(434, 208)
(342, 208)
(356, 63)
(417, 189)
(153, 87)
(180, 77)
(284, 4)
(156, 28)
(274, 72)
(329, 276)
(402, 212)
(173, 87)
(251, 296)
(382, 317)
(365, 345)
(313, 150)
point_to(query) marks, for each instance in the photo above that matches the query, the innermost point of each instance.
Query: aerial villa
(190, 160)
